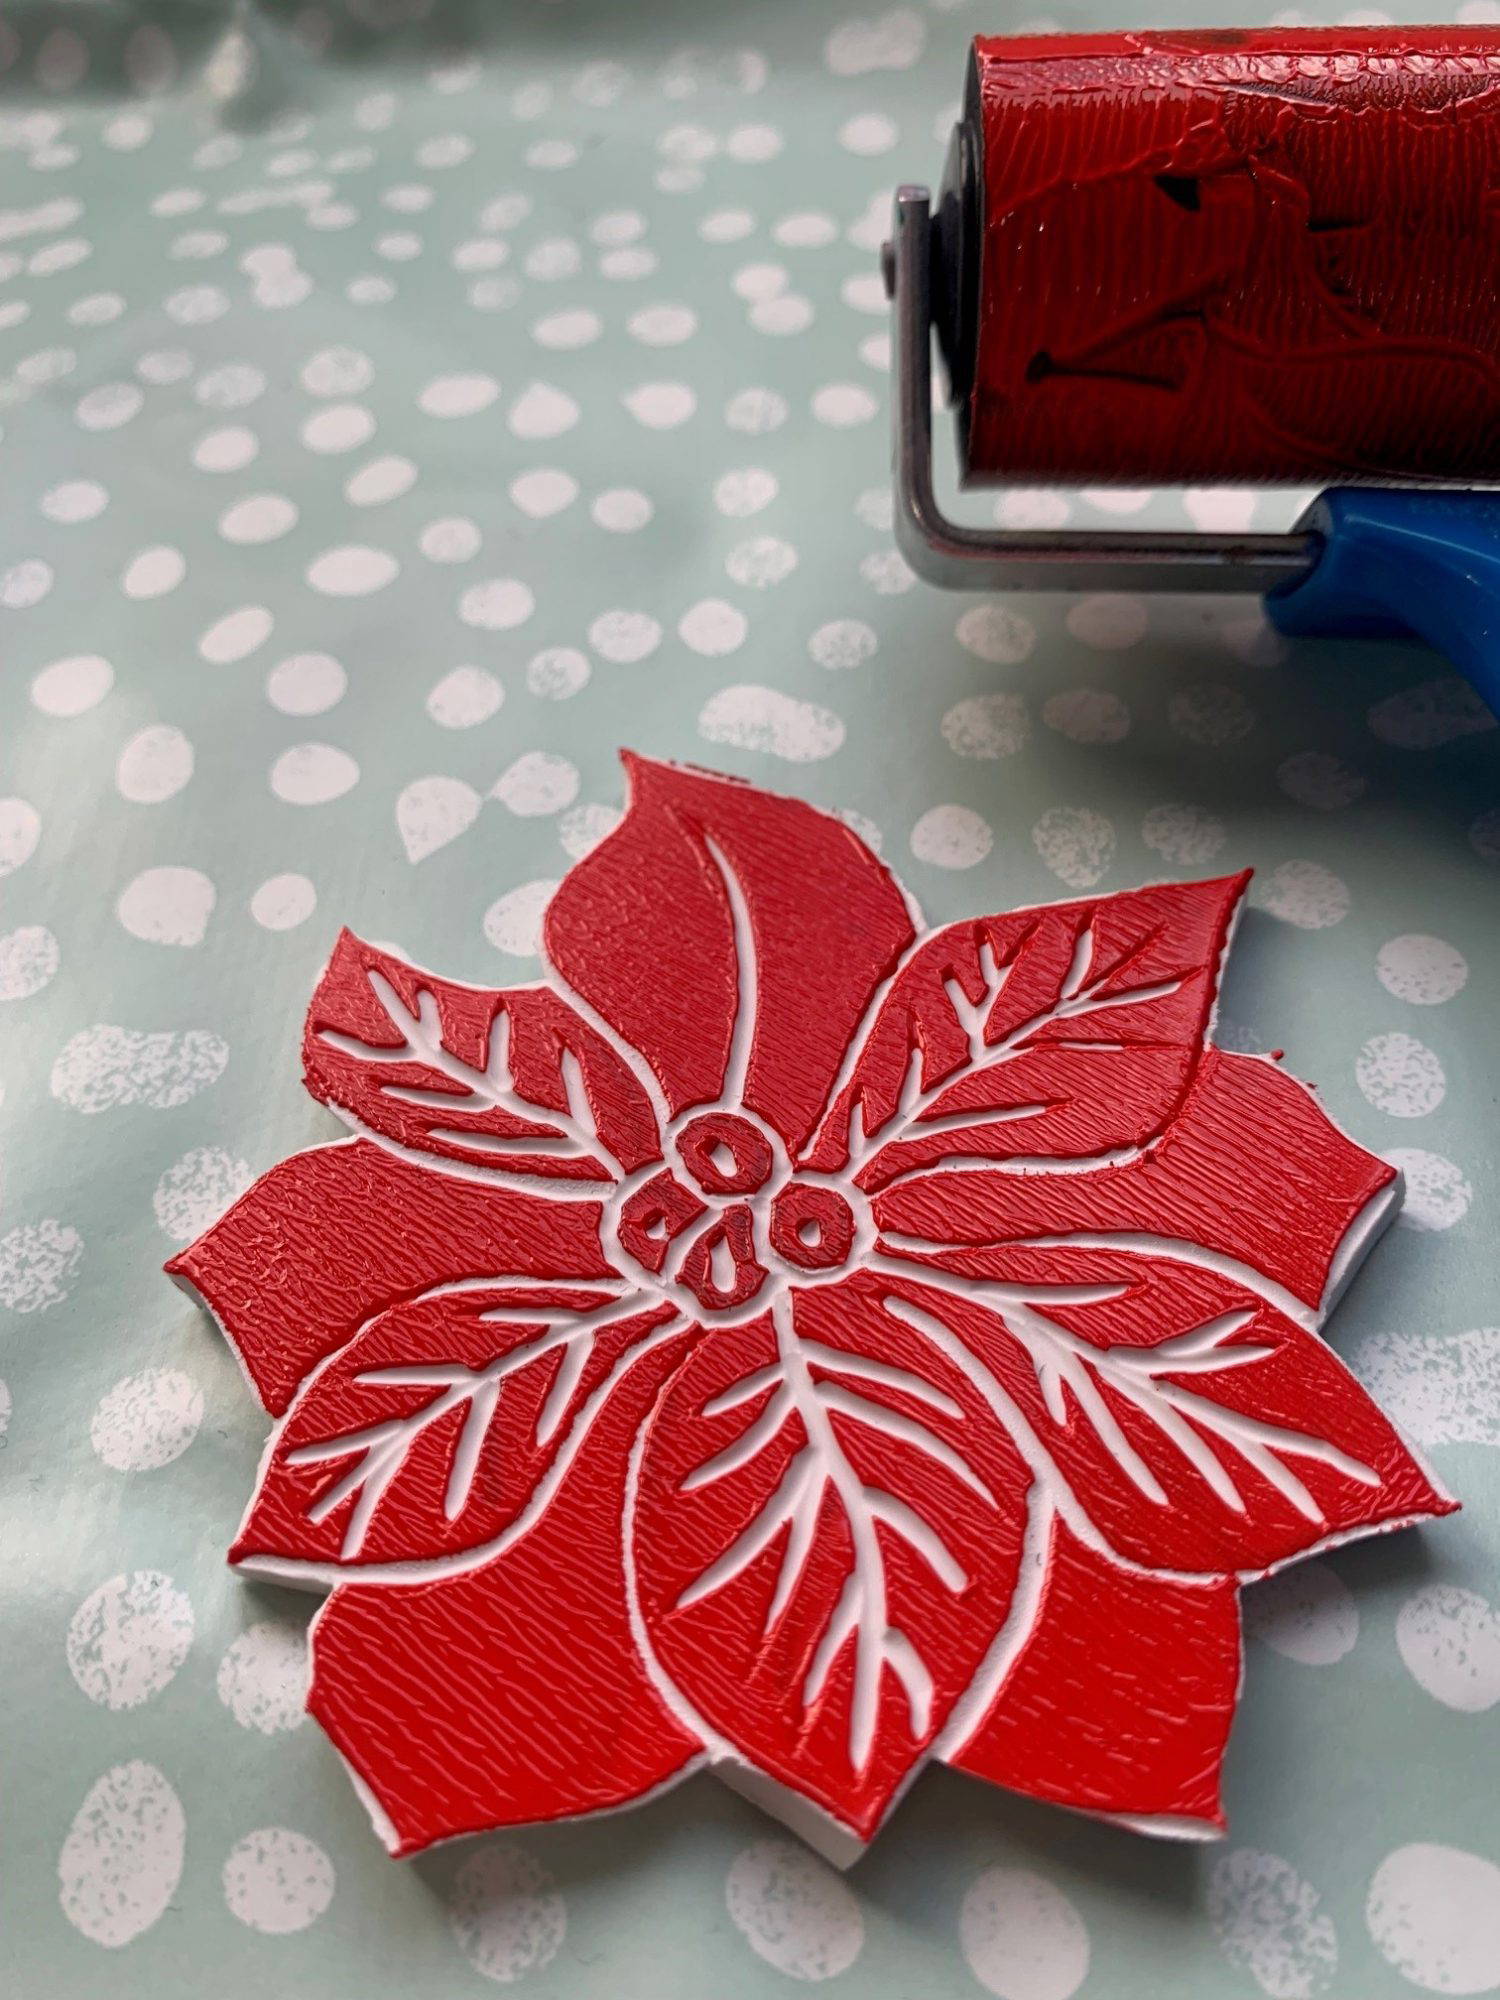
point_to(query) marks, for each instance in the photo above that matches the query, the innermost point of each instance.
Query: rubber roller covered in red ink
(1229, 256)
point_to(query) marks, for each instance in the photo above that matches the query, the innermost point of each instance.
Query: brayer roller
(1231, 256)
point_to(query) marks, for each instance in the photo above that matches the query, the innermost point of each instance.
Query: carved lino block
(788, 1340)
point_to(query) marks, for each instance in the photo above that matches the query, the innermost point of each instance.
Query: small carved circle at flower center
(812, 1226)
(724, 1154)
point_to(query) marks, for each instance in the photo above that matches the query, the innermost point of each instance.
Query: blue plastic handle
(1404, 564)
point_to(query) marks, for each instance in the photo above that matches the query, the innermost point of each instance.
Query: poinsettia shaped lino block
(792, 1341)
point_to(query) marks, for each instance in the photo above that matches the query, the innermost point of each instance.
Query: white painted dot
(283, 901)
(169, 905)
(506, 1913)
(430, 812)
(661, 406)
(72, 686)
(450, 541)
(262, 1678)
(1318, 779)
(232, 387)
(1108, 620)
(542, 411)
(1304, 893)
(337, 371)
(235, 635)
(756, 282)
(196, 1190)
(458, 395)
(1022, 1937)
(108, 407)
(25, 583)
(277, 1881)
(122, 1859)
(20, 830)
(868, 134)
(764, 719)
(74, 500)
(260, 517)
(29, 958)
(146, 1420)
(306, 684)
(726, 225)
(543, 491)
(537, 783)
(887, 572)
(465, 697)
(567, 331)
(622, 510)
(713, 628)
(761, 562)
(1210, 714)
(581, 828)
(864, 292)
(787, 314)
(843, 643)
(153, 573)
(807, 229)
(1449, 1641)
(1437, 1193)
(351, 571)
(1306, 1613)
(1400, 1076)
(618, 225)
(756, 411)
(498, 605)
(987, 725)
(163, 366)
(311, 774)
(1270, 1923)
(559, 672)
(383, 479)
(1076, 843)
(1434, 1914)
(843, 404)
(228, 449)
(744, 492)
(1421, 969)
(951, 836)
(662, 325)
(1425, 717)
(753, 145)
(338, 427)
(1087, 715)
(996, 634)
(154, 765)
(793, 1910)
(38, 1262)
(624, 636)
(513, 922)
(128, 1638)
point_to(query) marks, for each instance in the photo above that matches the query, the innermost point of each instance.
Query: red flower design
(787, 1341)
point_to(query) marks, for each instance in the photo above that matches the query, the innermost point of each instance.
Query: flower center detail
(724, 1213)
(725, 1154)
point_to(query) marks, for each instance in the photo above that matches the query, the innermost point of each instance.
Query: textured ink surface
(1239, 254)
(847, 1345)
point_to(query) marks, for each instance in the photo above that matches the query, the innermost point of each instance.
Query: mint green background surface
(238, 250)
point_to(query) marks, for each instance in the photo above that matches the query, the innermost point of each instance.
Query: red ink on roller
(1259, 256)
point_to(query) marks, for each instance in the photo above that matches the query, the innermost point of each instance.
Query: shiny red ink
(1264, 254)
(791, 1341)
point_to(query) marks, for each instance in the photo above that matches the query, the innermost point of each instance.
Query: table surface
(403, 409)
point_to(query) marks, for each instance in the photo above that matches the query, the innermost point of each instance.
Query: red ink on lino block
(787, 1340)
